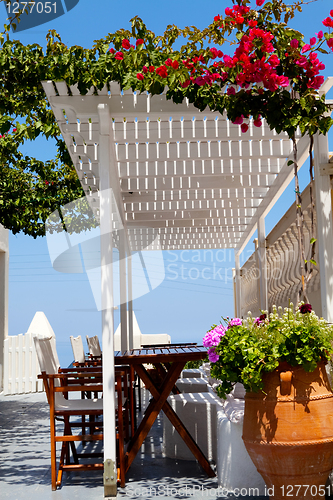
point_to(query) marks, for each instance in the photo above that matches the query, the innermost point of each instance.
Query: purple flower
(235, 322)
(305, 308)
(212, 356)
(258, 321)
(213, 337)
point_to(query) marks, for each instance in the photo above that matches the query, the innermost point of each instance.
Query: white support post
(130, 303)
(106, 200)
(324, 226)
(263, 299)
(123, 292)
(4, 266)
(238, 286)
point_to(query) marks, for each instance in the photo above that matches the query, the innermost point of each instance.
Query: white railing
(283, 266)
(21, 365)
(249, 284)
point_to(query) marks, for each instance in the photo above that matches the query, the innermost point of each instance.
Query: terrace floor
(25, 463)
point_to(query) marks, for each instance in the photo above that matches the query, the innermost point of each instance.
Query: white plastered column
(238, 285)
(4, 265)
(324, 226)
(106, 201)
(262, 262)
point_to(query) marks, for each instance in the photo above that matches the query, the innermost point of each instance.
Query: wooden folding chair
(94, 347)
(58, 385)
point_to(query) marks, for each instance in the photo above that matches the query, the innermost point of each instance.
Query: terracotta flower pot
(288, 432)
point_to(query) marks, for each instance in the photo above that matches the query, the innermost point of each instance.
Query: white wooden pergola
(191, 178)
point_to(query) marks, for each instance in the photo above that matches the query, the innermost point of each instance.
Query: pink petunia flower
(212, 356)
(235, 322)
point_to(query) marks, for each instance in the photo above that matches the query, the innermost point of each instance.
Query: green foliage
(25, 113)
(247, 351)
(195, 364)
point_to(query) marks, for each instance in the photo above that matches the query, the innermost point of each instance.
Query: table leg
(153, 408)
(159, 402)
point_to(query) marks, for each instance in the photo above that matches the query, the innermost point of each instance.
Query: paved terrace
(25, 463)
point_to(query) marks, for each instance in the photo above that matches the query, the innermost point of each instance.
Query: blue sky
(184, 306)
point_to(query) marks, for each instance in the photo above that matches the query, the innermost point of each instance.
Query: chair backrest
(48, 361)
(94, 346)
(78, 350)
(47, 354)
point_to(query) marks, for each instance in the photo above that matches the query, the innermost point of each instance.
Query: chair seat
(79, 405)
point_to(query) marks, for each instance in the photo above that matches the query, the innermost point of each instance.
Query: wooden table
(169, 362)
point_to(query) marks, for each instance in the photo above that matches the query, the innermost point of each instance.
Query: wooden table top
(160, 355)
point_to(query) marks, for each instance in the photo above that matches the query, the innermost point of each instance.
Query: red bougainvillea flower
(125, 44)
(151, 69)
(257, 122)
(252, 23)
(175, 64)
(140, 76)
(320, 35)
(162, 71)
(139, 42)
(14, 129)
(185, 84)
(294, 43)
(112, 51)
(305, 308)
(168, 62)
(331, 13)
(330, 43)
(239, 120)
(214, 52)
(283, 81)
(145, 69)
(217, 18)
(260, 2)
(47, 183)
(313, 40)
(306, 47)
(328, 22)
(119, 56)
(244, 127)
(231, 91)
